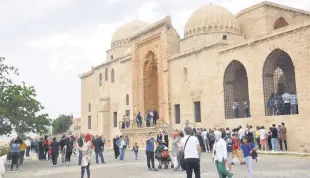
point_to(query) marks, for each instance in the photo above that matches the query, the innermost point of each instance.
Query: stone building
(223, 59)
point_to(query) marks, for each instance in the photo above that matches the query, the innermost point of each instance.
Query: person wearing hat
(248, 148)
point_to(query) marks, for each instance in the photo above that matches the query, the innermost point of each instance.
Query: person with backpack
(121, 143)
(220, 155)
(230, 145)
(248, 153)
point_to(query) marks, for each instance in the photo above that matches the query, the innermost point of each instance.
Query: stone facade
(217, 61)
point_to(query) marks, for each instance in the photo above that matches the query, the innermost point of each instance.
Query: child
(136, 149)
(109, 145)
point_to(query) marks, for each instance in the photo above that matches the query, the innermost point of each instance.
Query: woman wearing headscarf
(86, 158)
(175, 151)
(15, 153)
(220, 155)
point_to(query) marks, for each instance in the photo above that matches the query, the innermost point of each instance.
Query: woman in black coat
(41, 149)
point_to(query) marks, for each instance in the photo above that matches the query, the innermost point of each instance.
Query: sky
(51, 42)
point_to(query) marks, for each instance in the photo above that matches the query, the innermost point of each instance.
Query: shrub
(4, 150)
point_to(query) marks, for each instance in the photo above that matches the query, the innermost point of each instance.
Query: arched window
(279, 84)
(236, 92)
(185, 74)
(112, 76)
(89, 107)
(106, 74)
(127, 99)
(280, 22)
(100, 79)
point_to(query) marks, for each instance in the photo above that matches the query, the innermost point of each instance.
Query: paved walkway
(268, 166)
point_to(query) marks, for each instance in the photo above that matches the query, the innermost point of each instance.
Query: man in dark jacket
(80, 143)
(98, 143)
(62, 143)
(55, 151)
(155, 117)
(115, 147)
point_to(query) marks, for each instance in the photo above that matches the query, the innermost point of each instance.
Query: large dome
(122, 34)
(211, 18)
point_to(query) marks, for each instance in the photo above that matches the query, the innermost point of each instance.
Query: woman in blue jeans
(121, 143)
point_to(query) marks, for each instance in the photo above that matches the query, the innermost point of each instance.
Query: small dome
(122, 34)
(211, 18)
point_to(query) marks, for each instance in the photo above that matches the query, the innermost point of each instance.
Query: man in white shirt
(28, 143)
(192, 150)
(220, 155)
(287, 103)
(241, 132)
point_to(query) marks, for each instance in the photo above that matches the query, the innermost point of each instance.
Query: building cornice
(267, 3)
(278, 32)
(166, 20)
(178, 56)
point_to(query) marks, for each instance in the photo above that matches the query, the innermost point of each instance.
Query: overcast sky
(52, 41)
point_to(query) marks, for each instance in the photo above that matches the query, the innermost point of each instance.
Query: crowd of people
(150, 119)
(187, 145)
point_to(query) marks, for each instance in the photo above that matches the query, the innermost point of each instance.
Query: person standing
(55, 145)
(149, 150)
(248, 148)
(257, 137)
(15, 153)
(235, 108)
(121, 143)
(206, 140)
(274, 138)
(115, 147)
(283, 136)
(220, 155)
(192, 150)
(230, 147)
(86, 152)
(41, 150)
(28, 143)
(98, 143)
(155, 117)
(139, 120)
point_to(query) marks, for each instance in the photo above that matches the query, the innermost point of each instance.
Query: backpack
(230, 144)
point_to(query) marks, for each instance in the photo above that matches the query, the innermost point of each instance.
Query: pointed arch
(236, 91)
(279, 23)
(100, 79)
(106, 74)
(112, 76)
(279, 84)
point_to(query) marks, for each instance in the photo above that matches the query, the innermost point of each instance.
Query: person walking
(98, 143)
(15, 152)
(220, 155)
(62, 144)
(175, 151)
(23, 147)
(2, 168)
(86, 152)
(192, 151)
(236, 148)
(135, 149)
(211, 138)
(45, 148)
(205, 137)
(28, 143)
(55, 145)
(149, 150)
(230, 147)
(248, 149)
(69, 149)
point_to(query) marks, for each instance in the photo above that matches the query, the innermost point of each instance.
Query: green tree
(62, 124)
(19, 110)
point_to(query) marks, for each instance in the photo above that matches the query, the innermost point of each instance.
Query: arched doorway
(279, 84)
(150, 77)
(236, 92)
